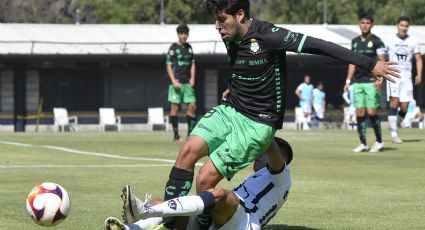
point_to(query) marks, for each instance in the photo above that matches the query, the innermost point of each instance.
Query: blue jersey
(319, 96)
(411, 107)
(306, 92)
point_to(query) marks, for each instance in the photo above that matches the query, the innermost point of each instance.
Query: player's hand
(346, 87)
(192, 82)
(223, 96)
(176, 85)
(418, 80)
(378, 85)
(384, 70)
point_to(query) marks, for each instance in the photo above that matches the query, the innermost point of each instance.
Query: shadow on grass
(287, 227)
(413, 140)
(389, 149)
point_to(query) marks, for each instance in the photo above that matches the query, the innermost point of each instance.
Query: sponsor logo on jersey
(255, 47)
(275, 29)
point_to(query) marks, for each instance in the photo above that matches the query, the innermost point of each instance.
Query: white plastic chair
(107, 118)
(62, 122)
(156, 117)
(299, 117)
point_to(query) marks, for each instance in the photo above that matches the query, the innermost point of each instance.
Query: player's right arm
(350, 73)
(171, 56)
(298, 91)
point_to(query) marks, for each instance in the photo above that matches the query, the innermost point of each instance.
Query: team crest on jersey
(255, 47)
(172, 52)
(190, 50)
(369, 44)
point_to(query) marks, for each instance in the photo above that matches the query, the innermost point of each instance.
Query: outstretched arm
(379, 69)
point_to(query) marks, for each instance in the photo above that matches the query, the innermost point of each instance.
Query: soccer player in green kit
(234, 133)
(181, 71)
(367, 94)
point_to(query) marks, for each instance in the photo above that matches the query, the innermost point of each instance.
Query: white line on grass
(83, 166)
(63, 149)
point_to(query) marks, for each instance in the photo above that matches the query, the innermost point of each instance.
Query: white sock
(145, 224)
(181, 206)
(393, 124)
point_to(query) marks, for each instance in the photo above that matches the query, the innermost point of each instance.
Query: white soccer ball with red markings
(48, 204)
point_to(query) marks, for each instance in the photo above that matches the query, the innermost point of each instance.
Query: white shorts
(306, 107)
(318, 110)
(242, 221)
(402, 89)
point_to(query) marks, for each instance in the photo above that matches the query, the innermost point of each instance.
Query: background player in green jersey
(181, 71)
(367, 94)
(234, 133)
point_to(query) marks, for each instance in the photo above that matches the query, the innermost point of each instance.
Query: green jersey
(181, 58)
(372, 46)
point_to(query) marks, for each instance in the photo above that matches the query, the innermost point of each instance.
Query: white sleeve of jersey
(416, 47)
(279, 179)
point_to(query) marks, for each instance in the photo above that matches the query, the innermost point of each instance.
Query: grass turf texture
(333, 188)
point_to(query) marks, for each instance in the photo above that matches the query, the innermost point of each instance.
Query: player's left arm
(380, 51)
(283, 39)
(192, 74)
(419, 67)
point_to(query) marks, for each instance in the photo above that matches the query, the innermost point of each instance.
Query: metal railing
(123, 50)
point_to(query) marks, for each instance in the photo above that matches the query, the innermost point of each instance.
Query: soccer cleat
(397, 140)
(377, 147)
(159, 227)
(360, 148)
(178, 139)
(112, 223)
(133, 206)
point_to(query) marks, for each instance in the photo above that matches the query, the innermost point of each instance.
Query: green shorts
(186, 94)
(234, 140)
(366, 96)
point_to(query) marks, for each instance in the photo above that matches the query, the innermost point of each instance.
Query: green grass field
(332, 187)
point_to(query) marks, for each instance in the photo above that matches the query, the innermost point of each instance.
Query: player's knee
(187, 156)
(204, 182)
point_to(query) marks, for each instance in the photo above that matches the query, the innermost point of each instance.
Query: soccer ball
(48, 204)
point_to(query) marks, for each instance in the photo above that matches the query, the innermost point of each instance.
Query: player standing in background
(319, 104)
(305, 92)
(367, 94)
(350, 117)
(401, 48)
(236, 132)
(181, 71)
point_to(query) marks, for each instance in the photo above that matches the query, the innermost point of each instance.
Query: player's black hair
(403, 18)
(285, 150)
(227, 6)
(182, 28)
(366, 16)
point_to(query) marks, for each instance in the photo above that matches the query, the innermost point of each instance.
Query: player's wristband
(347, 82)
